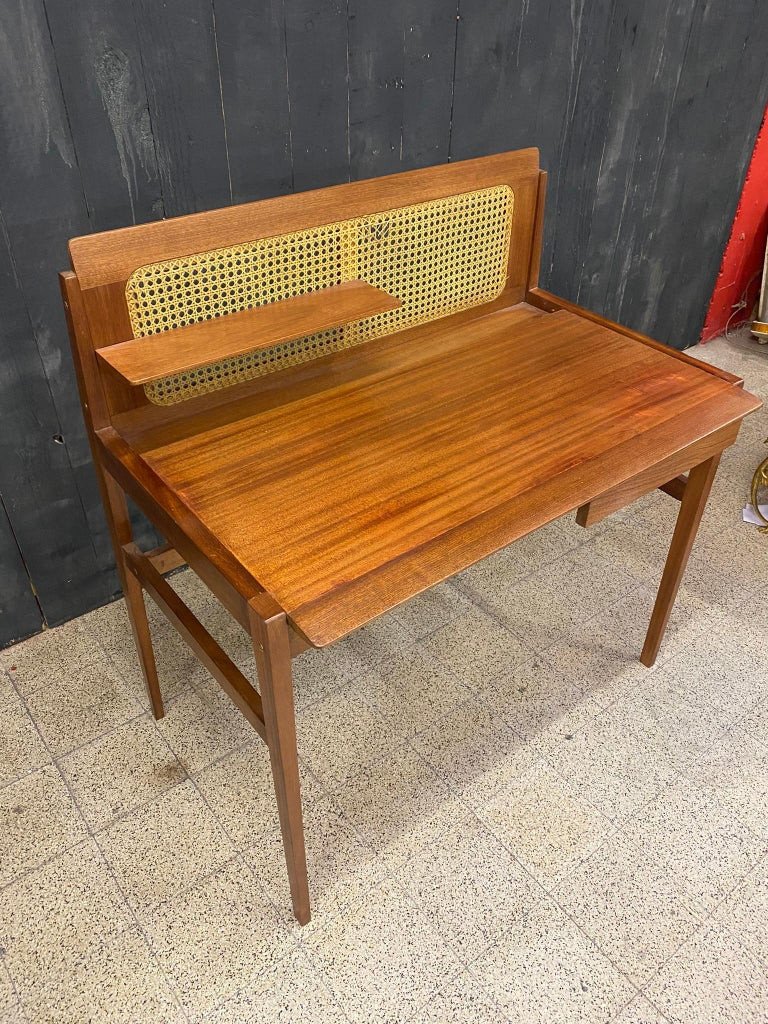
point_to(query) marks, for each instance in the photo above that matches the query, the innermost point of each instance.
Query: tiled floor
(508, 818)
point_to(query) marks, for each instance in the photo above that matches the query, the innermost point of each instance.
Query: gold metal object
(760, 481)
(437, 257)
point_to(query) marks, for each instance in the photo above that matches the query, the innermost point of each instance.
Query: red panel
(744, 254)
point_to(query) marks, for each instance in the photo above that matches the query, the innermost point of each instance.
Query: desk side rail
(549, 302)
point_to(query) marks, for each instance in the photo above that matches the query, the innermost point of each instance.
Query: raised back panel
(105, 263)
(438, 258)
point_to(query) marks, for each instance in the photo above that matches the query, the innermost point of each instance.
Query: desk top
(350, 484)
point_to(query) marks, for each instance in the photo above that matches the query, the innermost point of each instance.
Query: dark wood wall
(115, 111)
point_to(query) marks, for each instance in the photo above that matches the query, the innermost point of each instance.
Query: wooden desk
(317, 497)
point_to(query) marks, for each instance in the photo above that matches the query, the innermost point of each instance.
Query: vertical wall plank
(401, 84)
(99, 64)
(377, 88)
(690, 199)
(430, 46)
(178, 49)
(53, 505)
(254, 80)
(36, 478)
(19, 612)
(316, 42)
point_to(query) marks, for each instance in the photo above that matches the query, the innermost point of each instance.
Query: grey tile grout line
(228, 753)
(104, 943)
(615, 830)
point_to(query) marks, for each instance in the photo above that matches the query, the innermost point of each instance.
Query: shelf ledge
(144, 360)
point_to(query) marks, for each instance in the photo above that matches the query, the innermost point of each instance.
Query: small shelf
(143, 360)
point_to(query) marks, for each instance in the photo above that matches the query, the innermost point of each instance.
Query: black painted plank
(19, 612)
(519, 72)
(51, 497)
(254, 81)
(645, 116)
(316, 45)
(401, 84)
(430, 47)
(102, 79)
(178, 49)
(377, 94)
(719, 98)
(36, 479)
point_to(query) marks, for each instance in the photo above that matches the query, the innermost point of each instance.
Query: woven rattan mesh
(437, 257)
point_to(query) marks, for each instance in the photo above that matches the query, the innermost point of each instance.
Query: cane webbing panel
(437, 257)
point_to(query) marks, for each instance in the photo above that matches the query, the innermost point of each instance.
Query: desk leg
(119, 522)
(271, 644)
(692, 505)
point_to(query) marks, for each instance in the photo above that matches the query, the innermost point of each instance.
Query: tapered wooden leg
(273, 659)
(118, 520)
(691, 509)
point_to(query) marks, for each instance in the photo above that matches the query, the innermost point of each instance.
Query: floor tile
(9, 1006)
(735, 774)
(38, 819)
(317, 674)
(462, 1000)
(239, 790)
(58, 915)
(728, 666)
(339, 735)
(382, 957)
(411, 691)
(176, 664)
(545, 969)
(710, 575)
(21, 748)
(76, 709)
(472, 748)
(627, 620)
(7, 690)
(431, 610)
(475, 647)
(640, 1011)
(222, 934)
(745, 912)
(470, 885)
(493, 575)
(341, 867)
(755, 722)
(547, 605)
(637, 541)
(164, 846)
(672, 716)
(547, 824)
(537, 698)
(697, 841)
(199, 731)
(629, 907)
(288, 990)
(396, 805)
(603, 663)
(711, 978)
(373, 644)
(121, 770)
(119, 983)
(49, 657)
(613, 764)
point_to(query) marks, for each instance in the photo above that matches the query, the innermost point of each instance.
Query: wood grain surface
(143, 360)
(346, 501)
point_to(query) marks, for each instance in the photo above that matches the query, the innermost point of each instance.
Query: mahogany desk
(436, 406)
